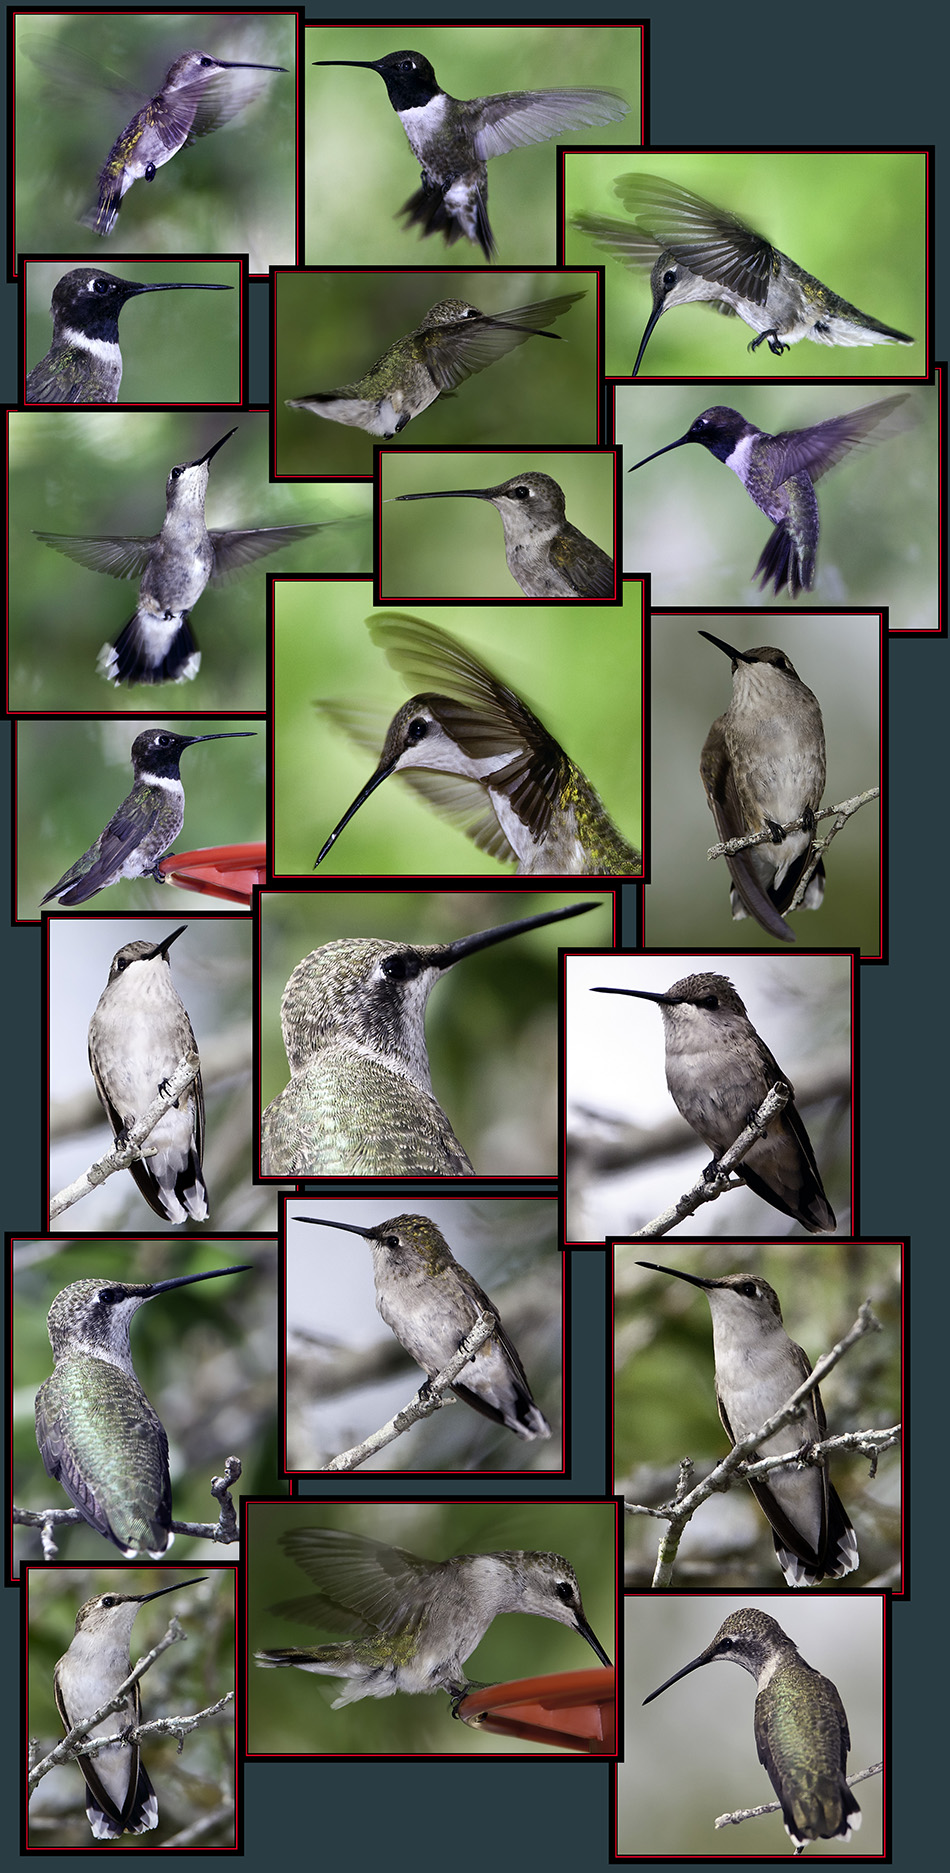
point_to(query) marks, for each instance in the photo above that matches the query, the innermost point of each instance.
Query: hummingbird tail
(430, 209)
(150, 650)
(785, 563)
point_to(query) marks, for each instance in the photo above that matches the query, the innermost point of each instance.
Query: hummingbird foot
(775, 344)
(776, 832)
(809, 821)
(459, 1692)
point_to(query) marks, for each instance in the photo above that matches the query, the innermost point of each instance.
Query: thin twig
(428, 1399)
(706, 1190)
(125, 1154)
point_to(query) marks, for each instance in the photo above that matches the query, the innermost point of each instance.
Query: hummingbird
(147, 823)
(138, 1035)
(84, 363)
(762, 765)
(431, 1303)
(360, 1099)
(414, 1622)
(547, 556)
(120, 1798)
(157, 644)
(719, 1070)
(757, 1369)
(698, 252)
(97, 1433)
(196, 96)
(779, 472)
(512, 786)
(451, 343)
(801, 1729)
(453, 138)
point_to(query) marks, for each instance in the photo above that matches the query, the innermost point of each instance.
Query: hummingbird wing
(454, 352)
(237, 549)
(515, 118)
(71, 1446)
(139, 1811)
(366, 1586)
(817, 449)
(798, 1559)
(718, 778)
(707, 240)
(122, 555)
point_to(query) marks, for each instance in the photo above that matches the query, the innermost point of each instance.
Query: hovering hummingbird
(120, 1798)
(762, 765)
(757, 1369)
(360, 1099)
(414, 1622)
(196, 97)
(512, 787)
(431, 1303)
(451, 343)
(719, 1070)
(698, 252)
(84, 363)
(452, 138)
(801, 1729)
(147, 823)
(97, 1433)
(547, 556)
(779, 472)
(157, 645)
(138, 1035)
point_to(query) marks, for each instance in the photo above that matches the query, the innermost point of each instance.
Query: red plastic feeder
(228, 871)
(568, 1709)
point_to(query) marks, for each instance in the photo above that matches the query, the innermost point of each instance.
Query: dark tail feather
(144, 653)
(427, 210)
(782, 562)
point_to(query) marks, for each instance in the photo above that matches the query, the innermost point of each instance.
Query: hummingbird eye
(108, 1296)
(102, 287)
(708, 1001)
(164, 741)
(520, 494)
(400, 968)
(565, 1591)
(176, 472)
(749, 1288)
(391, 1242)
(669, 278)
(109, 1599)
(417, 730)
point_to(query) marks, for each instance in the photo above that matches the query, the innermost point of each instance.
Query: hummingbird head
(106, 1604)
(749, 1638)
(709, 992)
(766, 654)
(730, 1296)
(718, 429)
(546, 1584)
(408, 77)
(141, 951)
(201, 67)
(405, 1242)
(188, 482)
(525, 502)
(374, 992)
(157, 752)
(96, 1313)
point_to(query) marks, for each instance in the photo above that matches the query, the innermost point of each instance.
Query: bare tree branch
(774, 1807)
(429, 1398)
(125, 1154)
(65, 1750)
(707, 1189)
(224, 1530)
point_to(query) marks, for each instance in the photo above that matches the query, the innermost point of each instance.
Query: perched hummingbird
(414, 1622)
(120, 1798)
(698, 252)
(147, 823)
(719, 1070)
(84, 363)
(547, 556)
(97, 1433)
(757, 1369)
(360, 1099)
(762, 765)
(451, 343)
(452, 138)
(512, 787)
(196, 97)
(138, 1035)
(431, 1303)
(157, 645)
(801, 1730)
(779, 473)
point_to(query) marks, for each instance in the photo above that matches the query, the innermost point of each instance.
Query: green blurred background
(205, 1357)
(458, 551)
(71, 777)
(173, 350)
(491, 1028)
(857, 223)
(289, 1711)
(585, 686)
(691, 523)
(839, 658)
(360, 169)
(188, 1677)
(95, 473)
(665, 1404)
(233, 191)
(330, 328)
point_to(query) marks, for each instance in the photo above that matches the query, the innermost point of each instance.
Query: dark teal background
(718, 75)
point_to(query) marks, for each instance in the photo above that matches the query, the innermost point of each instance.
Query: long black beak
(162, 949)
(184, 1281)
(696, 1281)
(450, 494)
(483, 939)
(678, 444)
(353, 1229)
(160, 1590)
(214, 449)
(738, 656)
(701, 1660)
(645, 995)
(651, 322)
(375, 780)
